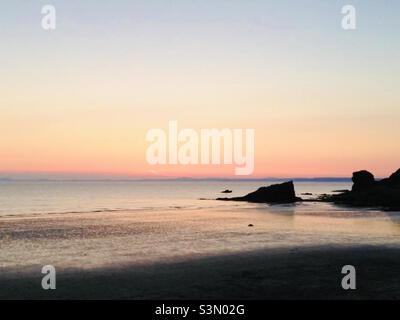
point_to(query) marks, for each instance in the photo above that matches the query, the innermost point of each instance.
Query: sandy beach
(308, 273)
(289, 253)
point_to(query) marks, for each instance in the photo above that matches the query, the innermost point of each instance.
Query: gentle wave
(111, 210)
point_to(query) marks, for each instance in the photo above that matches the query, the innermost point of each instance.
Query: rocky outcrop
(393, 181)
(368, 192)
(278, 193)
(362, 180)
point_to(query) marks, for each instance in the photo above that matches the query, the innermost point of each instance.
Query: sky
(79, 99)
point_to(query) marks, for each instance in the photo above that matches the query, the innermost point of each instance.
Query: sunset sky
(80, 99)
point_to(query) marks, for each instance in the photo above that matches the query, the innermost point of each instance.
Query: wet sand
(296, 273)
(291, 252)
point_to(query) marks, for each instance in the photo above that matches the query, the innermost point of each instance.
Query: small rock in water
(226, 191)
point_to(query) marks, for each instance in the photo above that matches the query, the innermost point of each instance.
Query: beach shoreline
(296, 273)
(244, 251)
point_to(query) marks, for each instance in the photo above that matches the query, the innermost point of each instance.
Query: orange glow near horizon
(107, 143)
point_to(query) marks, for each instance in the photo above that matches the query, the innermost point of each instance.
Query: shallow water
(94, 224)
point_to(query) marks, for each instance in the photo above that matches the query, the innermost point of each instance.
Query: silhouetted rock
(362, 180)
(278, 193)
(392, 182)
(367, 192)
(227, 191)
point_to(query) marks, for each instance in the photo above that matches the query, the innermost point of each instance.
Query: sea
(93, 224)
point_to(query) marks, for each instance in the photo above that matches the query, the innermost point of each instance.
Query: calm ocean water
(49, 197)
(98, 224)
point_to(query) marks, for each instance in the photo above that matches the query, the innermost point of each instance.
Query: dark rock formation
(227, 191)
(362, 180)
(367, 192)
(393, 181)
(278, 193)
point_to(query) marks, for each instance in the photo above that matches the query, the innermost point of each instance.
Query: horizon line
(141, 179)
